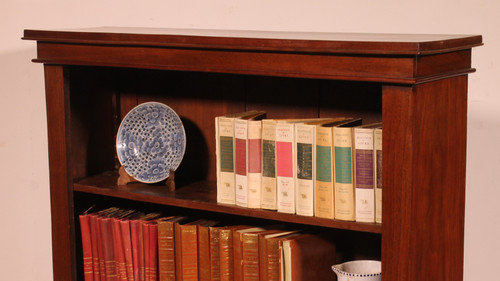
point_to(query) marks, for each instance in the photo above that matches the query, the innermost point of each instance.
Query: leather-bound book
(107, 248)
(166, 248)
(238, 251)
(307, 257)
(119, 253)
(226, 251)
(95, 240)
(88, 270)
(127, 248)
(150, 232)
(137, 236)
(214, 233)
(204, 264)
(269, 253)
(186, 250)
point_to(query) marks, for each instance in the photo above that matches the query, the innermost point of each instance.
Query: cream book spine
(240, 159)
(225, 160)
(364, 175)
(285, 168)
(343, 173)
(268, 192)
(378, 174)
(324, 189)
(305, 147)
(254, 167)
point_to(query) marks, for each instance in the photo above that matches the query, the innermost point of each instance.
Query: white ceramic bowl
(361, 270)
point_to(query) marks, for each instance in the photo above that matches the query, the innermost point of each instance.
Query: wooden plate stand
(124, 179)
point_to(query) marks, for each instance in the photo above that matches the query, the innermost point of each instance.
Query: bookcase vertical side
(424, 148)
(61, 196)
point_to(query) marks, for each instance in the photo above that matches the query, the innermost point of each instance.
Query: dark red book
(108, 250)
(88, 269)
(127, 248)
(95, 240)
(137, 249)
(153, 251)
(119, 252)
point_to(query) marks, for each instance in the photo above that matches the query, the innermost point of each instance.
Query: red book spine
(137, 249)
(88, 270)
(147, 257)
(100, 249)
(107, 245)
(127, 249)
(95, 247)
(121, 269)
(153, 250)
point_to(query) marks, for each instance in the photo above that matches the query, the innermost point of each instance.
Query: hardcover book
(307, 257)
(225, 149)
(364, 172)
(305, 178)
(343, 173)
(285, 168)
(238, 251)
(377, 139)
(166, 247)
(268, 192)
(269, 266)
(204, 251)
(324, 193)
(88, 271)
(226, 251)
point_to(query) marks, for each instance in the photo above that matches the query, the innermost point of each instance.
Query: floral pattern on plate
(150, 142)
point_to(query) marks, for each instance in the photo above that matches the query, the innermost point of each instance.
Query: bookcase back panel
(197, 97)
(93, 121)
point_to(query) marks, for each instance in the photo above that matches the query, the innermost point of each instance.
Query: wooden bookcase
(415, 84)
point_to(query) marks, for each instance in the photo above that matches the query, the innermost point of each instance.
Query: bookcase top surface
(310, 42)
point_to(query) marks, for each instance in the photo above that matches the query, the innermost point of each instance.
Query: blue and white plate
(150, 142)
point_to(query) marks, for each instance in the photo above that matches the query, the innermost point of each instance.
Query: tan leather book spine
(308, 257)
(166, 250)
(214, 253)
(250, 256)
(203, 253)
(186, 252)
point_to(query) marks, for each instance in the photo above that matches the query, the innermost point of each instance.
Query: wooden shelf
(201, 196)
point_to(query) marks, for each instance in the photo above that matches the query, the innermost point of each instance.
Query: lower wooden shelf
(201, 195)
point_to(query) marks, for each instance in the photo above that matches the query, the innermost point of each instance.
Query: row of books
(324, 167)
(122, 245)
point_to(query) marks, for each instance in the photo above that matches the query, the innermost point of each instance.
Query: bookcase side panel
(397, 116)
(438, 199)
(424, 180)
(63, 233)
